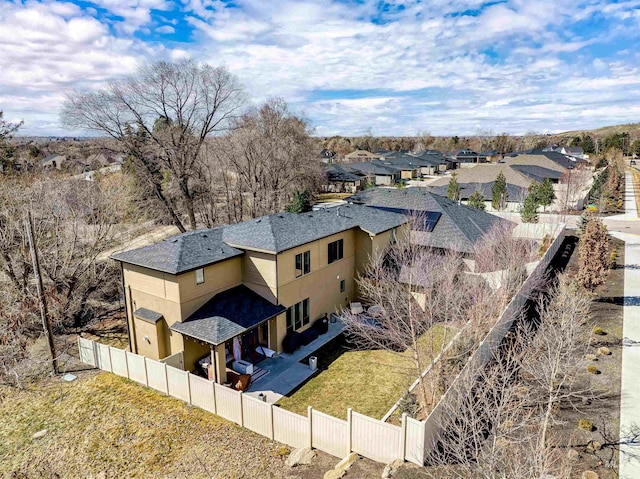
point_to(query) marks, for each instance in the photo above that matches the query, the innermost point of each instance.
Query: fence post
(215, 406)
(166, 379)
(126, 363)
(110, 363)
(241, 411)
(96, 358)
(146, 375)
(189, 388)
(271, 428)
(310, 416)
(349, 430)
(403, 437)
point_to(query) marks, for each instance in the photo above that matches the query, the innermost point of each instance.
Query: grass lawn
(102, 425)
(369, 382)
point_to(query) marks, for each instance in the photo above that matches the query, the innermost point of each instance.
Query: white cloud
(165, 29)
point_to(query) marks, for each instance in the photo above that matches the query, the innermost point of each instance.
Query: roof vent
(280, 216)
(258, 220)
(205, 235)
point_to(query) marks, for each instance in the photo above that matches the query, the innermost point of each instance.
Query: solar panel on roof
(430, 220)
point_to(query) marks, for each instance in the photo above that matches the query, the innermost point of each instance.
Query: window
(303, 263)
(298, 315)
(200, 276)
(335, 250)
(342, 285)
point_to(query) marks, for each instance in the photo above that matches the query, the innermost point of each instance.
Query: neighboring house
(361, 155)
(327, 156)
(491, 155)
(51, 162)
(341, 180)
(467, 157)
(221, 293)
(546, 158)
(574, 152)
(482, 177)
(438, 222)
(380, 173)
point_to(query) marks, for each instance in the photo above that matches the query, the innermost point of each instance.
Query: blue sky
(385, 67)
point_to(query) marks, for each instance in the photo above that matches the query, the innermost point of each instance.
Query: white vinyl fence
(367, 436)
(364, 435)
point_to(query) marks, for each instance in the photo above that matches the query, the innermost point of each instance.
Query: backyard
(344, 373)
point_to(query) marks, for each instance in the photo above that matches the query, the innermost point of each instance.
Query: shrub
(598, 331)
(283, 451)
(409, 404)
(591, 357)
(603, 351)
(585, 424)
(593, 369)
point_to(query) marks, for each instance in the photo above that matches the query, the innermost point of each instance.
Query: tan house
(361, 155)
(226, 292)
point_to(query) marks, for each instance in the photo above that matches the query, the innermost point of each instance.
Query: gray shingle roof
(147, 315)
(338, 173)
(182, 252)
(514, 192)
(537, 173)
(228, 314)
(371, 167)
(283, 231)
(458, 228)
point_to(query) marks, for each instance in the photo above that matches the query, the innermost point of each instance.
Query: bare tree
(162, 117)
(268, 155)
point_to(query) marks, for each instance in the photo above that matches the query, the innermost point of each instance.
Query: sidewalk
(630, 387)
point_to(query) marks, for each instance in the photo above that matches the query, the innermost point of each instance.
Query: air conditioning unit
(242, 367)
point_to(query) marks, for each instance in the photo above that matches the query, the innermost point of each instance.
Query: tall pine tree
(453, 189)
(499, 192)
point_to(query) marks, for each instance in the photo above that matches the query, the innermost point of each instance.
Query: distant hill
(632, 128)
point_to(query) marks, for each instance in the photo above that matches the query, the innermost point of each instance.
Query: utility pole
(46, 323)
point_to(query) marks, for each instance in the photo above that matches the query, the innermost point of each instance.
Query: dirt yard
(598, 449)
(105, 426)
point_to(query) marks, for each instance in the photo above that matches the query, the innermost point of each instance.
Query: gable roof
(486, 173)
(541, 155)
(336, 172)
(282, 231)
(371, 167)
(228, 314)
(459, 227)
(514, 193)
(538, 173)
(181, 253)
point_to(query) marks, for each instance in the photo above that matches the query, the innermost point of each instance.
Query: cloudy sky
(351, 67)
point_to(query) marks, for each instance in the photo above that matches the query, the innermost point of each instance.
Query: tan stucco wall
(407, 175)
(155, 346)
(260, 275)
(194, 350)
(322, 284)
(217, 277)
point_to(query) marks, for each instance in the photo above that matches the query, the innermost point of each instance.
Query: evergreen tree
(529, 210)
(301, 202)
(476, 200)
(453, 190)
(545, 193)
(499, 192)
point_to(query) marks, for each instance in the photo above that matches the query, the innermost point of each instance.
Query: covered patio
(285, 372)
(238, 327)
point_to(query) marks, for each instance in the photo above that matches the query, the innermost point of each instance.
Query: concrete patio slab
(286, 372)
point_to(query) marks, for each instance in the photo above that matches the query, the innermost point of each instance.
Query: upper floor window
(200, 276)
(303, 263)
(336, 250)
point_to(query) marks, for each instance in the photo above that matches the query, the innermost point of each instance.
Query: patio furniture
(269, 353)
(242, 367)
(239, 382)
(291, 342)
(309, 335)
(321, 325)
(356, 308)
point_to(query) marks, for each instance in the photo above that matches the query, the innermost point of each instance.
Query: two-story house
(232, 289)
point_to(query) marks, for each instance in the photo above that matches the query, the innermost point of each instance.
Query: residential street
(627, 228)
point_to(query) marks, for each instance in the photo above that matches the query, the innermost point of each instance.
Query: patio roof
(228, 314)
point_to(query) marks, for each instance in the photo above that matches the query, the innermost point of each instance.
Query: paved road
(627, 228)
